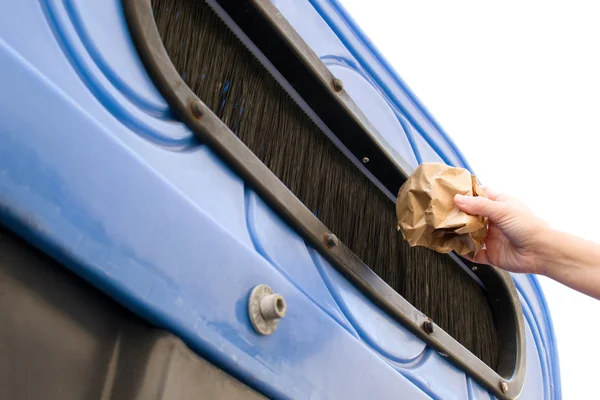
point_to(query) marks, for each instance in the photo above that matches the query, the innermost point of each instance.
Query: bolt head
(428, 326)
(338, 85)
(331, 240)
(365, 160)
(504, 387)
(197, 109)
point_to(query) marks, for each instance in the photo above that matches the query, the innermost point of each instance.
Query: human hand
(515, 238)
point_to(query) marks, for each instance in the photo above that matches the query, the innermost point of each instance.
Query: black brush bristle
(227, 77)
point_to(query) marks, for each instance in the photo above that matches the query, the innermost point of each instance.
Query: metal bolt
(338, 85)
(504, 387)
(428, 326)
(331, 240)
(365, 160)
(265, 309)
(197, 109)
(474, 268)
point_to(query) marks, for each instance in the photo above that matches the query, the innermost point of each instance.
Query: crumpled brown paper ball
(427, 215)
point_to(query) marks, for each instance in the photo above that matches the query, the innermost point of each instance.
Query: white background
(517, 86)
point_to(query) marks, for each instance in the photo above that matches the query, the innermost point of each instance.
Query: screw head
(331, 240)
(365, 160)
(338, 85)
(504, 387)
(428, 326)
(197, 109)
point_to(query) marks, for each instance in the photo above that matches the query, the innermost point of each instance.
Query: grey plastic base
(62, 339)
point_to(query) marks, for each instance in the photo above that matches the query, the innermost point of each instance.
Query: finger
(490, 193)
(480, 206)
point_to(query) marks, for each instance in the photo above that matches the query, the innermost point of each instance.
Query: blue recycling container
(97, 172)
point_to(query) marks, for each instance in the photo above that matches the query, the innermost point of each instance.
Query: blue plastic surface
(96, 171)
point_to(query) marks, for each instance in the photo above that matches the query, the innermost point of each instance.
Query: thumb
(480, 206)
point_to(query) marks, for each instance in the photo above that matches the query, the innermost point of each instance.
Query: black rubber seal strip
(283, 46)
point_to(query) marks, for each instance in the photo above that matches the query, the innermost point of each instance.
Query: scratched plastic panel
(74, 185)
(122, 210)
(73, 68)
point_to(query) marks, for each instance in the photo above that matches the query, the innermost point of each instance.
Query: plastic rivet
(265, 309)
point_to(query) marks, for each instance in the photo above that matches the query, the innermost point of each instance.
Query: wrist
(547, 253)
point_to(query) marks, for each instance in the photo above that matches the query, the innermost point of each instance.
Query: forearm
(572, 261)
